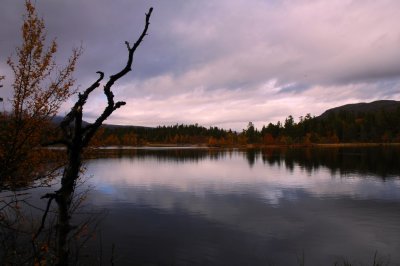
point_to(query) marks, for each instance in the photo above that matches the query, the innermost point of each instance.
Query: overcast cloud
(224, 63)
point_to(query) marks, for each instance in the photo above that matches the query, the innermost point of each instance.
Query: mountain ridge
(363, 107)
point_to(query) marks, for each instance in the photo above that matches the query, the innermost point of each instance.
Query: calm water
(258, 207)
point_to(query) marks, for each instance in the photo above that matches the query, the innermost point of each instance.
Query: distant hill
(124, 126)
(57, 120)
(372, 107)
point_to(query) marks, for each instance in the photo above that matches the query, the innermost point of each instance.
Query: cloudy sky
(227, 62)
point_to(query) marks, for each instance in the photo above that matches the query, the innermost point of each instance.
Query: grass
(377, 261)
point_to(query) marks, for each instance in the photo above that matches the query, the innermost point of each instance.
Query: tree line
(345, 126)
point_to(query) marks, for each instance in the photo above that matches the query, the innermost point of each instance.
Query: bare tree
(76, 137)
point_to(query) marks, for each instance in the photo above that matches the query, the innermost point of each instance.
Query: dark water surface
(254, 207)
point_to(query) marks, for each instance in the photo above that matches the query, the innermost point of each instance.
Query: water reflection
(216, 207)
(222, 172)
(170, 154)
(380, 161)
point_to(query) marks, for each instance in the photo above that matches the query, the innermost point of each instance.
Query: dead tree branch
(76, 138)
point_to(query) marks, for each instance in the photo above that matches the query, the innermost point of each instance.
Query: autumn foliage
(40, 86)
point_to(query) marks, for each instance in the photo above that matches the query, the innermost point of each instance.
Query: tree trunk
(64, 199)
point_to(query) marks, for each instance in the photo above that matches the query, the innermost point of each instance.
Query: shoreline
(251, 146)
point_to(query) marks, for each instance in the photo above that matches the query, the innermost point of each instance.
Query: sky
(222, 63)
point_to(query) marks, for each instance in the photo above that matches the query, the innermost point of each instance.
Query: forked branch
(88, 132)
(76, 137)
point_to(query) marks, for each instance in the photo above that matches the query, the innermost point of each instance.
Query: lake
(188, 206)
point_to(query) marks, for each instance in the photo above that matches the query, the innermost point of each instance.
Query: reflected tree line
(378, 161)
(180, 155)
(382, 162)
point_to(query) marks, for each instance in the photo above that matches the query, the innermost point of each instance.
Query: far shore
(245, 146)
(255, 146)
(355, 144)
